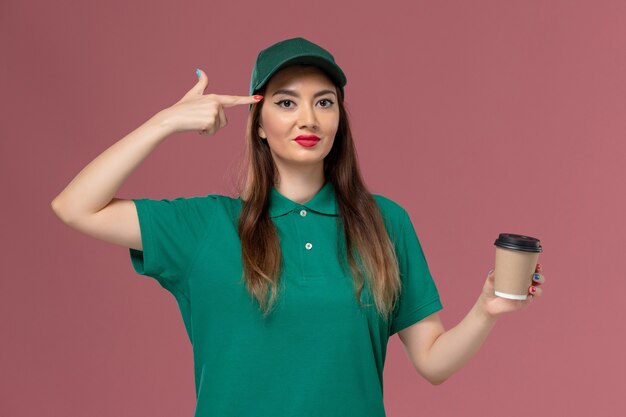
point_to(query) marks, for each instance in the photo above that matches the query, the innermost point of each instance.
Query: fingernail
(533, 289)
(258, 97)
(536, 277)
(198, 72)
(538, 267)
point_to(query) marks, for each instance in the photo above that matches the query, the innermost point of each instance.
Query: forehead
(298, 75)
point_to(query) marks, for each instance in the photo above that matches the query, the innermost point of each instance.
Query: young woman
(289, 292)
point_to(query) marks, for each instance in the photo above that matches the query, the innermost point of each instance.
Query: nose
(307, 117)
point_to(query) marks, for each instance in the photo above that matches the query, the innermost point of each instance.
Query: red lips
(307, 137)
(308, 141)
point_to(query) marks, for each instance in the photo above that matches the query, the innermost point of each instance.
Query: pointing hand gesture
(196, 111)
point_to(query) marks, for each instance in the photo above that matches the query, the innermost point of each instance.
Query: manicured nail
(536, 277)
(258, 97)
(198, 72)
(533, 289)
(538, 267)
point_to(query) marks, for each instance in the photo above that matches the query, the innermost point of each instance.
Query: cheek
(335, 127)
(275, 124)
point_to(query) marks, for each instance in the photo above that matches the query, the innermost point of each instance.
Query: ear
(261, 132)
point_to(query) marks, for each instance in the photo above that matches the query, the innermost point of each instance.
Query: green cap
(292, 51)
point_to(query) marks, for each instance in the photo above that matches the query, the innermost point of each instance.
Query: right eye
(284, 101)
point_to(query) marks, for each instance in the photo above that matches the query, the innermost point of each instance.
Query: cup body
(514, 273)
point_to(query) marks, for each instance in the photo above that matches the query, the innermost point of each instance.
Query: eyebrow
(294, 94)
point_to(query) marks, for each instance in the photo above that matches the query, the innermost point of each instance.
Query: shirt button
(308, 246)
(303, 213)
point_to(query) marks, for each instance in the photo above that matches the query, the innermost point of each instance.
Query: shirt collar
(323, 202)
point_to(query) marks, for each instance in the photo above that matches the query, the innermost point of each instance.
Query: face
(299, 101)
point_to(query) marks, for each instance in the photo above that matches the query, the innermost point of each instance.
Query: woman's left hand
(494, 306)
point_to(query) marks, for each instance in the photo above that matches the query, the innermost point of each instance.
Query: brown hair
(366, 238)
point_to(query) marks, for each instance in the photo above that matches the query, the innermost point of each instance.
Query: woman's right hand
(202, 113)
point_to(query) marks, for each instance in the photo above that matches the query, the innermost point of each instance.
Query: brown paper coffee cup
(516, 260)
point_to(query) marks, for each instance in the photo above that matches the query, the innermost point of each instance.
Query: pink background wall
(478, 117)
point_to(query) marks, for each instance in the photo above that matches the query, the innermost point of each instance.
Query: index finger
(229, 101)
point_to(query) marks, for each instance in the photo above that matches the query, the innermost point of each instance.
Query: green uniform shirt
(318, 353)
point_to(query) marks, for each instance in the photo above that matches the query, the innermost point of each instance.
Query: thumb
(202, 83)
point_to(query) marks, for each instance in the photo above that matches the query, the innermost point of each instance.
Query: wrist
(482, 310)
(162, 121)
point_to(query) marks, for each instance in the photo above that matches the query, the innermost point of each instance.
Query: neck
(300, 184)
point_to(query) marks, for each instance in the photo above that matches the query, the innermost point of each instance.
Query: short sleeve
(419, 296)
(171, 234)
